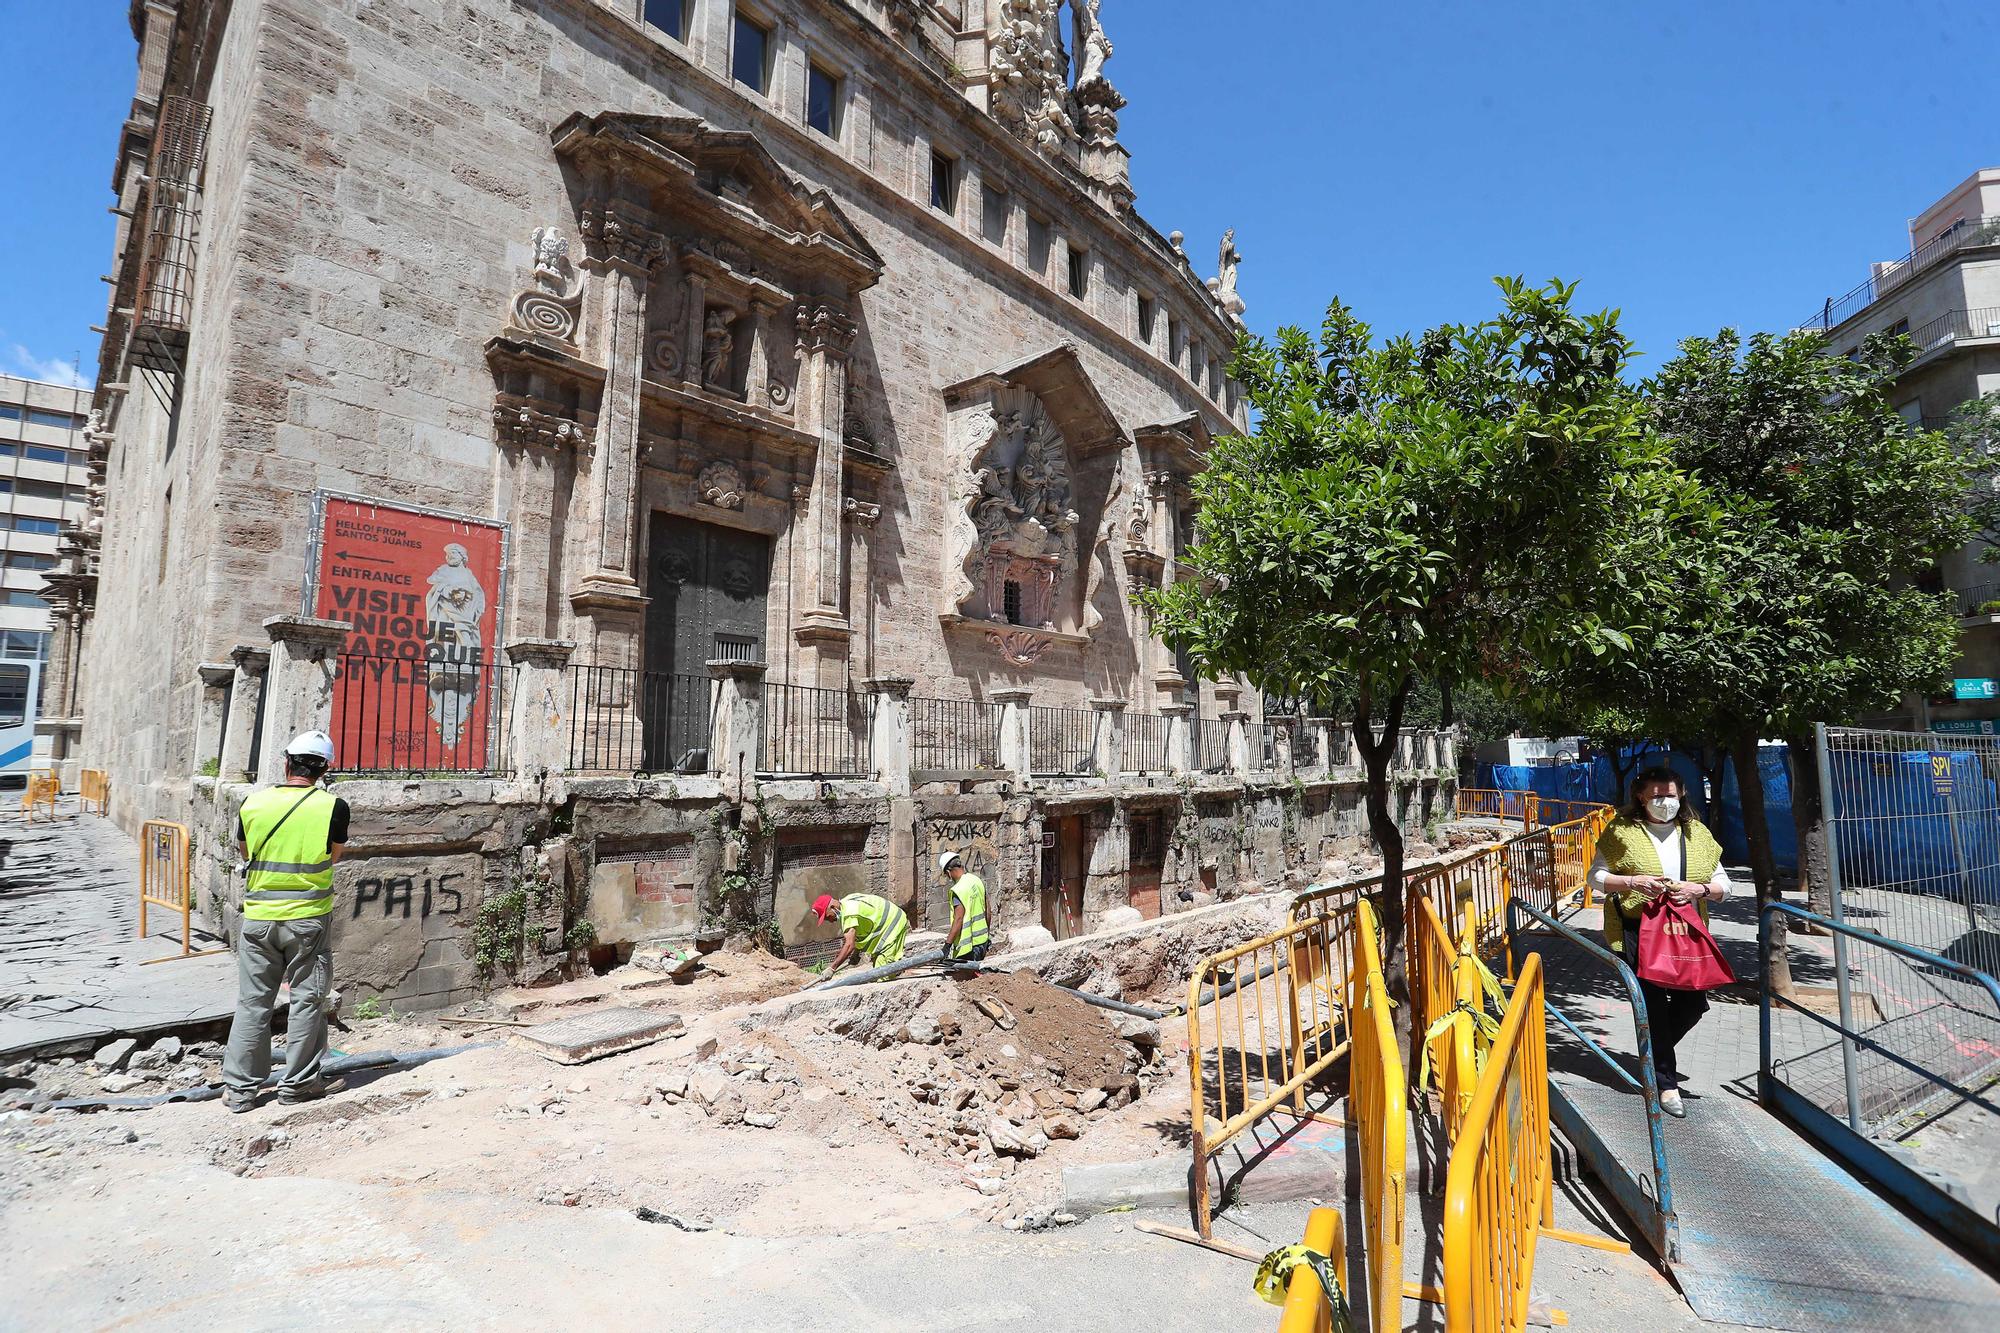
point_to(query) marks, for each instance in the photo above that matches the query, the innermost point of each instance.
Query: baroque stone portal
(1012, 555)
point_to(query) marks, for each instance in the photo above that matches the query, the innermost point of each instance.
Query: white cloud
(55, 370)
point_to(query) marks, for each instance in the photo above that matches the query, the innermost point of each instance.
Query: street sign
(423, 591)
(1975, 687)
(1964, 727)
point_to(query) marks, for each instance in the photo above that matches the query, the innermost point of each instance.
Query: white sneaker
(1670, 1102)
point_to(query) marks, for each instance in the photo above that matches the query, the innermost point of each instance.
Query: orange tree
(1459, 506)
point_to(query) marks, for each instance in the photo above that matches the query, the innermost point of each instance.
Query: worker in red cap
(869, 924)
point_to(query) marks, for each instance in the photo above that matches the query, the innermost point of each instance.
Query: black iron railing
(1061, 741)
(1211, 745)
(1969, 232)
(402, 716)
(1955, 326)
(1339, 745)
(1305, 744)
(816, 732)
(954, 735)
(622, 720)
(1978, 599)
(1146, 743)
(1266, 739)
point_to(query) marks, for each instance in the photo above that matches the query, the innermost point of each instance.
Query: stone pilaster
(1238, 722)
(1108, 739)
(826, 334)
(541, 706)
(212, 714)
(621, 251)
(738, 726)
(249, 666)
(890, 737)
(1016, 756)
(304, 661)
(1282, 762)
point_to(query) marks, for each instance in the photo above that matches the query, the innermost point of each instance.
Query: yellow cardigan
(1628, 849)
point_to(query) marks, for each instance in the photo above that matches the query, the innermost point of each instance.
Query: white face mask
(1663, 809)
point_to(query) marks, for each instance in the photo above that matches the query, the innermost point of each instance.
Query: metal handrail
(1648, 1086)
(1839, 309)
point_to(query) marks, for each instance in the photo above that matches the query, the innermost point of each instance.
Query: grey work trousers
(299, 953)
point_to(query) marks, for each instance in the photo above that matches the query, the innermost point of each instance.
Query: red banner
(419, 678)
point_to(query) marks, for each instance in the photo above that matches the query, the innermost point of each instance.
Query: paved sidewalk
(71, 973)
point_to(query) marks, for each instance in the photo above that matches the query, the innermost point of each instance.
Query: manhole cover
(571, 1041)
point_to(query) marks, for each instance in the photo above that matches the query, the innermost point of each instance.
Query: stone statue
(1093, 48)
(718, 349)
(551, 253)
(1223, 284)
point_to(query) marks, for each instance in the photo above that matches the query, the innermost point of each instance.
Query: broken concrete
(572, 1041)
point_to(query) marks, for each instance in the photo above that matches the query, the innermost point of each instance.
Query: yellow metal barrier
(1450, 1000)
(1277, 1020)
(1497, 1188)
(42, 790)
(1477, 802)
(163, 879)
(93, 788)
(1378, 1105)
(1307, 1309)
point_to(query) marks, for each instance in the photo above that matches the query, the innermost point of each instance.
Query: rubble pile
(121, 1068)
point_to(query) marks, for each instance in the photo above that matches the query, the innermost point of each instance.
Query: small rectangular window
(751, 65)
(64, 421)
(1010, 601)
(1174, 337)
(8, 412)
(15, 597)
(29, 560)
(944, 182)
(43, 453)
(1900, 326)
(43, 490)
(1079, 272)
(6, 485)
(44, 527)
(1146, 319)
(1039, 240)
(823, 101)
(996, 207)
(669, 16)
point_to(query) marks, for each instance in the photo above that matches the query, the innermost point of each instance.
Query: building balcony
(1968, 234)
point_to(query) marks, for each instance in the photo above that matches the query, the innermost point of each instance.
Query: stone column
(1282, 762)
(304, 660)
(1109, 737)
(1239, 741)
(246, 691)
(1180, 737)
(891, 731)
(736, 733)
(1322, 734)
(1016, 756)
(542, 721)
(826, 334)
(211, 717)
(620, 252)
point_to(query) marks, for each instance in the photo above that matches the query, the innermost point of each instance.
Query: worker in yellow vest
(969, 935)
(290, 835)
(869, 924)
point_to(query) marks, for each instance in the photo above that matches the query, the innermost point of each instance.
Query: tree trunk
(1776, 963)
(1809, 821)
(1382, 826)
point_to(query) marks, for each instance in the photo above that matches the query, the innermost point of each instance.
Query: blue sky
(1695, 164)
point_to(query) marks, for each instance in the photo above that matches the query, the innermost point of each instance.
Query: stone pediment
(1058, 379)
(729, 179)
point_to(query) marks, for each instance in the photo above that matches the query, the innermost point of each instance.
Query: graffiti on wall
(409, 895)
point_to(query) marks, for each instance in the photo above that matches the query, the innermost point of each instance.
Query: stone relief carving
(515, 423)
(1223, 285)
(718, 349)
(1100, 553)
(721, 485)
(550, 305)
(1030, 73)
(1012, 529)
(1018, 646)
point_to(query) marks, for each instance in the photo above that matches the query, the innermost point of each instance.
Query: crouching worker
(969, 935)
(290, 835)
(869, 924)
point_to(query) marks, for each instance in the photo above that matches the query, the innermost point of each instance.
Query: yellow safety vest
(970, 893)
(879, 926)
(291, 872)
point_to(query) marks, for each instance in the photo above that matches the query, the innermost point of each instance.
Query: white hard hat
(944, 861)
(316, 743)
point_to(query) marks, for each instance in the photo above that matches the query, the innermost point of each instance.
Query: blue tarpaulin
(1598, 781)
(1921, 821)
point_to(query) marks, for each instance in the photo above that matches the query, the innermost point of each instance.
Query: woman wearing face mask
(1655, 849)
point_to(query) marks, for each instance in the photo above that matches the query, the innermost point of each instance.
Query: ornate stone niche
(1024, 537)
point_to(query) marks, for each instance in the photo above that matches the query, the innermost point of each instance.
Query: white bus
(20, 686)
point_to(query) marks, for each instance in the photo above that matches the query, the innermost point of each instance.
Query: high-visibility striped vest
(970, 893)
(291, 872)
(878, 924)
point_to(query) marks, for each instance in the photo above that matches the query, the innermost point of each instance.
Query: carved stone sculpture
(718, 349)
(1223, 284)
(550, 305)
(1030, 73)
(1011, 535)
(721, 485)
(1093, 48)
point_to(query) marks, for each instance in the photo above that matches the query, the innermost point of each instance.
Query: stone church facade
(811, 350)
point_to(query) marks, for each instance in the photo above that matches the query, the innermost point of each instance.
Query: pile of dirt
(736, 976)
